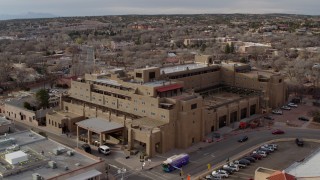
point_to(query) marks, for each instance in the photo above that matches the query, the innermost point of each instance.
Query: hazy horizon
(62, 8)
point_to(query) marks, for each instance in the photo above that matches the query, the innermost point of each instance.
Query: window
(152, 113)
(139, 75)
(152, 75)
(193, 106)
(280, 80)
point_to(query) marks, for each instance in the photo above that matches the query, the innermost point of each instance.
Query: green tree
(232, 48)
(27, 105)
(43, 98)
(227, 49)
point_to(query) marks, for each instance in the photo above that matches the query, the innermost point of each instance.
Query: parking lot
(291, 116)
(287, 154)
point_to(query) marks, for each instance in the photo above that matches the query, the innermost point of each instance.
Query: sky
(122, 7)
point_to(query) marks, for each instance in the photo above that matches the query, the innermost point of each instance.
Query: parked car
(251, 159)
(285, 108)
(233, 167)
(296, 100)
(241, 163)
(265, 150)
(302, 118)
(104, 150)
(299, 142)
(228, 169)
(256, 156)
(243, 139)
(279, 112)
(268, 117)
(247, 162)
(274, 146)
(262, 153)
(269, 148)
(277, 131)
(86, 148)
(211, 177)
(220, 173)
(238, 163)
(292, 105)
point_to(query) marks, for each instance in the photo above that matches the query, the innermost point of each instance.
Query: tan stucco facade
(164, 108)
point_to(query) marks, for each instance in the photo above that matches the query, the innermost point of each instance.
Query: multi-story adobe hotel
(162, 108)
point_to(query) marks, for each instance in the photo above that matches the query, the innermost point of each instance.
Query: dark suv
(299, 142)
(86, 148)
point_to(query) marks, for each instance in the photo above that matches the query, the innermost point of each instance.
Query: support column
(101, 135)
(77, 136)
(149, 149)
(89, 137)
(130, 143)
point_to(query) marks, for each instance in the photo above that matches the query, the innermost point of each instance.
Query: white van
(104, 149)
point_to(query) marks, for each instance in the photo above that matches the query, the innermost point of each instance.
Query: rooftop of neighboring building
(183, 67)
(147, 123)
(308, 168)
(40, 151)
(220, 98)
(64, 114)
(4, 121)
(19, 102)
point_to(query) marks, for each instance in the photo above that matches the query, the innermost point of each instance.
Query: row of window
(193, 74)
(53, 123)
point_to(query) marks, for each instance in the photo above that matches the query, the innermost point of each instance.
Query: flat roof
(99, 125)
(35, 145)
(107, 81)
(19, 102)
(184, 67)
(148, 122)
(307, 168)
(63, 114)
(16, 154)
(86, 175)
(4, 121)
(158, 83)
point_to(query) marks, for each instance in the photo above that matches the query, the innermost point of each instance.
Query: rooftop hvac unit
(52, 164)
(78, 164)
(36, 176)
(58, 151)
(70, 153)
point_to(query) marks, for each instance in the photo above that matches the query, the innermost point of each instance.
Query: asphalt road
(213, 154)
(220, 151)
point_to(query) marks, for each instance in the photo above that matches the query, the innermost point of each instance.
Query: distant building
(15, 110)
(6, 126)
(270, 174)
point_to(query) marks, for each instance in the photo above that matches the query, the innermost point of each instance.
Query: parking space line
(245, 174)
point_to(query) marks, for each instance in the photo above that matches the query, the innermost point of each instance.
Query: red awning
(168, 87)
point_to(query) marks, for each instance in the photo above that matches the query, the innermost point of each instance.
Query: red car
(256, 156)
(277, 131)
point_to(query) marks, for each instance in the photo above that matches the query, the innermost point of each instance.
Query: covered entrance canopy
(99, 126)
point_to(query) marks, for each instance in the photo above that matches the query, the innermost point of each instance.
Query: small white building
(16, 157)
